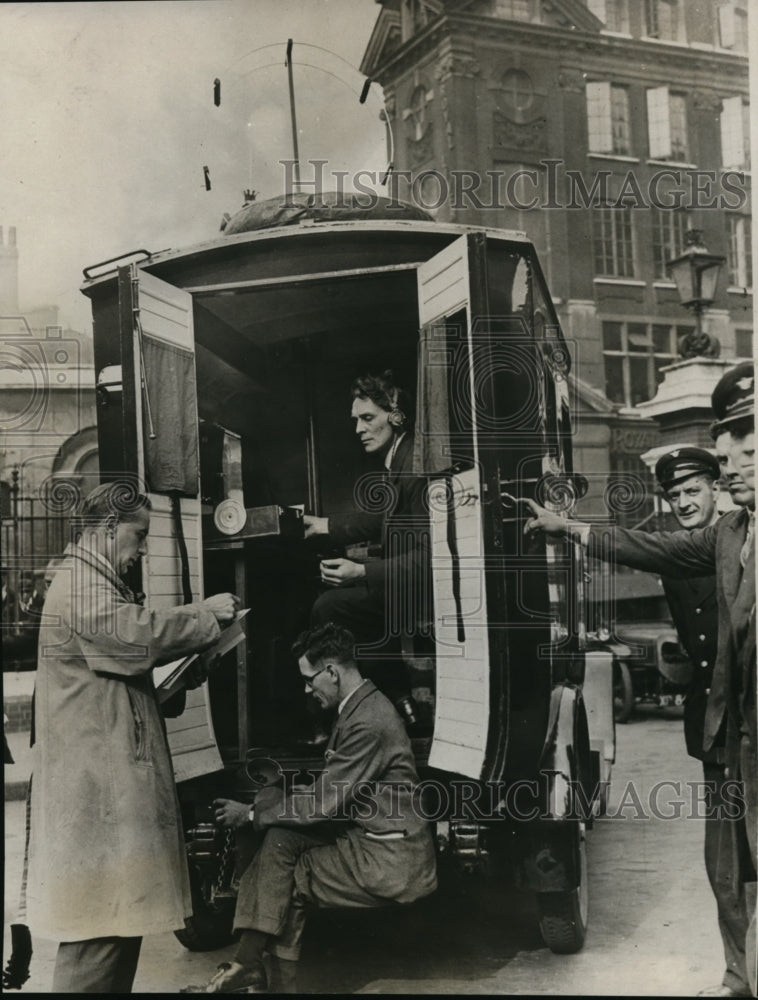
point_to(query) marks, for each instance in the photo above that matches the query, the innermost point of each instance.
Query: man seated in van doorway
(384, 598)
(352, 839)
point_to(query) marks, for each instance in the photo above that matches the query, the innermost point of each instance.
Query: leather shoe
(720, 990)
(231, 977)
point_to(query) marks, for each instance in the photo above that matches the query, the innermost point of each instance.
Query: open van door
(447, 302)
(160, 404)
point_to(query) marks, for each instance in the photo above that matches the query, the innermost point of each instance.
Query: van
(223, 374)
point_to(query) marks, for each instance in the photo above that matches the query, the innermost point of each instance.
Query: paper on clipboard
(168, 676)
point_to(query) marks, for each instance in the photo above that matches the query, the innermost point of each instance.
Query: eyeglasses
(312, 677)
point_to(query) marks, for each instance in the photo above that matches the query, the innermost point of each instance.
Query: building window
(667, 124)
(743, 343)
(662, 20)
(612, 242)
(733, 27)
(634, 355)
(515, 10)
(613, 13)
(740, 252)
(608, 128)
(735, 133)
(669, 227)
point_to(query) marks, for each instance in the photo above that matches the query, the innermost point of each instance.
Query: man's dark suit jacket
(714, 549)
(694, 610)
(402, 527)
(367, 787)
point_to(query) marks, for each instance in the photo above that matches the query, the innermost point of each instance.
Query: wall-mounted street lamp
(696, 274)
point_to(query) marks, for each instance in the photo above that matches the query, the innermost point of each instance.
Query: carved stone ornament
(513, 135)
(457, 65)
(699, 345)
(706, 100)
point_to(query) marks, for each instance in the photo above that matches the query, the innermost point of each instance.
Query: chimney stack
(8, 274)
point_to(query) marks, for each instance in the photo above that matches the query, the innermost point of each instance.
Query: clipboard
(168, 677)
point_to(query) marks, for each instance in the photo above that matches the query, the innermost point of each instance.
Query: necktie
(747, 545)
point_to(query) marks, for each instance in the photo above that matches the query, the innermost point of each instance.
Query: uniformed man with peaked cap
(726, 548)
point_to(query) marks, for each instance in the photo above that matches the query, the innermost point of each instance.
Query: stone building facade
(604, 130)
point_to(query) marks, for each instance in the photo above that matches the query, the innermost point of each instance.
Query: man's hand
(315, 525)
(197, 672)
(223, 606)
(545, 521)
(231, 814)
(341, 572)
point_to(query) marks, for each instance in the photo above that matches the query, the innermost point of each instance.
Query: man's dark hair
(326, 641)
(385, 393)
(120, 499)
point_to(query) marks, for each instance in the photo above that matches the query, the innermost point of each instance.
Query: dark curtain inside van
(432, 435)
(171, 457)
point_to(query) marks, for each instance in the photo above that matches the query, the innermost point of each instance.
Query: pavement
(652, 929)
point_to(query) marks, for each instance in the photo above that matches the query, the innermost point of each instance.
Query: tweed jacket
(367, 787)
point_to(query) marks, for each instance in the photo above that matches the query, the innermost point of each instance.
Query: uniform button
(702, 638)
(707, 690)
(703, 663)
(698, 610)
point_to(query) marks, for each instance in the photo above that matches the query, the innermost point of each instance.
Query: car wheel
(564, 915)
(623, 691)
(210, 925)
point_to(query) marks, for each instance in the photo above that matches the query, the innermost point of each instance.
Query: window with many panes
(667, 124)
(634, 354)
(740, 251)
(669, 227)
(735, 133)
(612, 242)
(608, 129)
(662, 20)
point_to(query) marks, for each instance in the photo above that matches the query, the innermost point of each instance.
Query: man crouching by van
(351, 839)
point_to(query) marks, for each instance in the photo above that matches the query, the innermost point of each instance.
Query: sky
(107, 121)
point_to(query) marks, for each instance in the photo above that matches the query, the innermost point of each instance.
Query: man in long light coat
(106, 854)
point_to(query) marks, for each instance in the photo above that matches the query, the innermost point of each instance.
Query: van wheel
(563, 915)
(623, 691)
(210, 925)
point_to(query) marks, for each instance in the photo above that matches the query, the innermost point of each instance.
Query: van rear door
(160, 402)
(449, 295)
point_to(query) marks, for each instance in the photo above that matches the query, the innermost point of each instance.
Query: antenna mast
(292, 113)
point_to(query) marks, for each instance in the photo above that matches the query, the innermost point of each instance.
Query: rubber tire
(209, 927)
(623, 691)
(564, 915)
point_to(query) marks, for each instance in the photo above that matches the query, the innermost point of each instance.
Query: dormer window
(515, 10)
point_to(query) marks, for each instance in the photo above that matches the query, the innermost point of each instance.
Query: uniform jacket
(713, 549)
(402, 529)
(367, 786)
(106, 849)
(694, 611)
